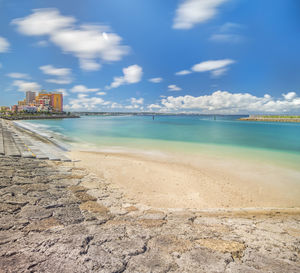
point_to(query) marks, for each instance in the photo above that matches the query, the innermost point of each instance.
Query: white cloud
(18, 75)
(89, 65)
(228, 33)
(137, 101)
(115, 105)
(63, 91)
(101, 93)
(229, 38)
(86, 42)
(83, 102)
(24, 86)
(42, 43)
(232, 103)
(63, 74)
(50, 19)
(154, 106)
(216, 67)
(156, 80)
(290, 95)
(83, 89)
(53, 71)
(60, 80)
(183, 72)
(191, 12)
(173, 87)
(4, 45)
(131, 74)
(211, 65)
(135, 104)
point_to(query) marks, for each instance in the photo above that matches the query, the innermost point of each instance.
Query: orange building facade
(57, 102)
(53, 101)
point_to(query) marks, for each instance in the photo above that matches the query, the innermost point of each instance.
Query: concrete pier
(18, 142)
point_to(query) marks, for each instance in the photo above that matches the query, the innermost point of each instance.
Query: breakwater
(272, 119)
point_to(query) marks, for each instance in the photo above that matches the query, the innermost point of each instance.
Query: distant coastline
(39, 116)
(273, 118)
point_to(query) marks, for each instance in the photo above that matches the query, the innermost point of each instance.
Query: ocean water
(226, 135)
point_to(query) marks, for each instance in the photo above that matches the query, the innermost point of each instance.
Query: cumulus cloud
(83, 89)
(152, 107)
(83, 102)
(191, 12)
(4, 45)
(24, 86)
(89, 43)
(290, 96)
(116, 105)
(173, 87)
(137, 101)
(63, 74)
(16, 75)
(225, 102)
(131, 74)
(183, 72)
(156, 80)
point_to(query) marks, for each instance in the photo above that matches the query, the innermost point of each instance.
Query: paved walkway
(18, 142)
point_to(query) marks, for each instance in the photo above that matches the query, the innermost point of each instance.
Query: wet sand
(180, 181)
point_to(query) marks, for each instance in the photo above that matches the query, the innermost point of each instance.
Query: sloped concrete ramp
(18, 142)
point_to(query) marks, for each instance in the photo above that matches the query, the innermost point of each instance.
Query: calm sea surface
(280, 141)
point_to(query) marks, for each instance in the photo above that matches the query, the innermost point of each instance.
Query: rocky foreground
(55, 217)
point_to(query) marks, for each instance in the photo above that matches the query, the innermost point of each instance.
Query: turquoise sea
(225, 135)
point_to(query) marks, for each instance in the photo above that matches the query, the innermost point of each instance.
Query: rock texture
(58, 218)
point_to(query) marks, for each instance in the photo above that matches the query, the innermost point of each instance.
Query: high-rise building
(30, 97)
(57, 102)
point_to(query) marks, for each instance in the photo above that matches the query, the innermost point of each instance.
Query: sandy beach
(201, 182)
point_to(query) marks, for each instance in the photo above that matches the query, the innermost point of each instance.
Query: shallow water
(264, 141)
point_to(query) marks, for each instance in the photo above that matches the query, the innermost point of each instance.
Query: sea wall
(55, 217)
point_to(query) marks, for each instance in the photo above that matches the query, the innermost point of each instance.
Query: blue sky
(208, 56)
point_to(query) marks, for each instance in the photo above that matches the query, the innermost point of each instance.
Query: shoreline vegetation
(273, 118)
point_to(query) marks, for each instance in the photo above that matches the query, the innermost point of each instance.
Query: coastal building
(57, 102)
(4, 109)
(44, 102)
(14, 108)
(30, 97)
(51, 101)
